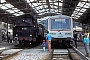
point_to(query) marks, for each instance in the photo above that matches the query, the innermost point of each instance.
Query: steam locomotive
(28, 31)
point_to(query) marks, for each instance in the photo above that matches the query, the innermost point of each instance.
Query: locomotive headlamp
(16, 34)
(22, 28)
(34, 25)
(23, 20)
(30, 35)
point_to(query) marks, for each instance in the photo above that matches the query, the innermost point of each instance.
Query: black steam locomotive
(28, 31)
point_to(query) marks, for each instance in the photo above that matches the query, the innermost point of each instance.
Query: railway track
(35, 53)
(9, 52)
(60, 54)
(5, 53)
(67, 54)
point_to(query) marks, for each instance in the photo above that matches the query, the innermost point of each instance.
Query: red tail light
(34, 39)
(26, 38)
(20, 38)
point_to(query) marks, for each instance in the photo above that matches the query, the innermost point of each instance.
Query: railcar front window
(60, 24)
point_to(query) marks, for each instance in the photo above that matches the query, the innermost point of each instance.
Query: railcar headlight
(30, 35)
(68, 33)
(53, 33)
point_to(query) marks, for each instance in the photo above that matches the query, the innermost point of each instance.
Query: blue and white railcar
(61, 27)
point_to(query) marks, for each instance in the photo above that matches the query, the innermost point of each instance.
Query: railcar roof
(60, 16)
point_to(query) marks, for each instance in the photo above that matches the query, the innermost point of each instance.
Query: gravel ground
(31, 54)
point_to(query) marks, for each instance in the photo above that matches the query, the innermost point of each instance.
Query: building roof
(79, 10)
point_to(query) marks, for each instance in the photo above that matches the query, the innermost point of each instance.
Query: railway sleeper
(76, 55)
